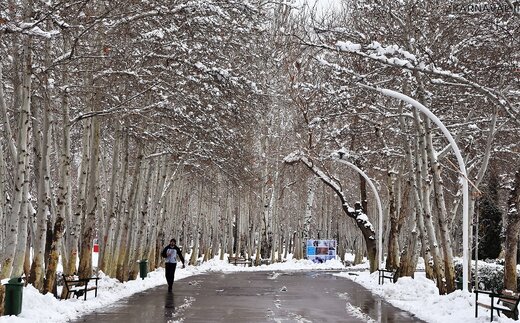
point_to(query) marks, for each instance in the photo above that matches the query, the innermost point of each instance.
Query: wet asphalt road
(302, 297)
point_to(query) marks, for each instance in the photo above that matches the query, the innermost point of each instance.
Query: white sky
(418, 296)
(322, 6)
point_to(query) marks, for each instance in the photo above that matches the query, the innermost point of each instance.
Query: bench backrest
(71, 281)
(512, 298)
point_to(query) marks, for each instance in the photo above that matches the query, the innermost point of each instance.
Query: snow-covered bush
(491, 274)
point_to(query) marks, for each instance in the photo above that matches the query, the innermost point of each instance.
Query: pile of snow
(421, 297)
(291, 264)
(46, 308)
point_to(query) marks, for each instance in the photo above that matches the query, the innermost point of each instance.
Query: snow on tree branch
(356, 213)
(298, 156)
(293, 157)
(29, 29)
(142, 15)
(394, 56)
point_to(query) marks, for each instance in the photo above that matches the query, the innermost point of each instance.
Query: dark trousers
(170, 273)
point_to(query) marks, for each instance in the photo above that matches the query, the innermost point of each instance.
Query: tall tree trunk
(63, 200)
(442, 214)
(136, 230)
(75, 221)
(435, 251)
(107, 241)
(44, 208)
(266, 219)
(311, 193)
(142, 233)
(120, 209)
(155, 212)
(89, 221)
(238, 224)
(196, 229)
(251, 223)
(15, 250)
(8, 132)
(122, 266)
(215, 227)
(9, 246)
(392, 260)
(410, 252)
(512, 231)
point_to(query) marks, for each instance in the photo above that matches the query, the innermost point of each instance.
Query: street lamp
(462, 166)
(378, 200)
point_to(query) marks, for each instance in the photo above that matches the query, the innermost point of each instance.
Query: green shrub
(491, 274)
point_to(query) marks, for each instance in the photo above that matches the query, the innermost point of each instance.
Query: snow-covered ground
(418, 296)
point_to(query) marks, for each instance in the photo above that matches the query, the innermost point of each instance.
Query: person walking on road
(172, 252)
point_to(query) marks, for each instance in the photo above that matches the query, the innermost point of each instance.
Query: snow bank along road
(299, 296)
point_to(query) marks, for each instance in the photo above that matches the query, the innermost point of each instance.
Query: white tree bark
(89, 221)
(14, 257)
(196, 227)
(442, 213)
(63, 201)
(312, 182)
(11, 144)
(75, 221)
(44, 200)
(134, 213)
(107, 241)
(425, 183)
(152, 241)
(125, 230)
(144, 224)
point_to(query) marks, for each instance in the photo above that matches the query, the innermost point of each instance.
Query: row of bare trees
(132, 123)
(108, 112)
(463, 68)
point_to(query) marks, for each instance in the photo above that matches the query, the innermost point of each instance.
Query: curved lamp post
(462, 166)
(378, 200)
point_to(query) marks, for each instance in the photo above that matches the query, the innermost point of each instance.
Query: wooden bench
(384, 273)
(240, 261)
(265, 261)
(506, 302)
(79, 286)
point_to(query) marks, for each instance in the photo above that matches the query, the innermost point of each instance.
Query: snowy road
(316, 296)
